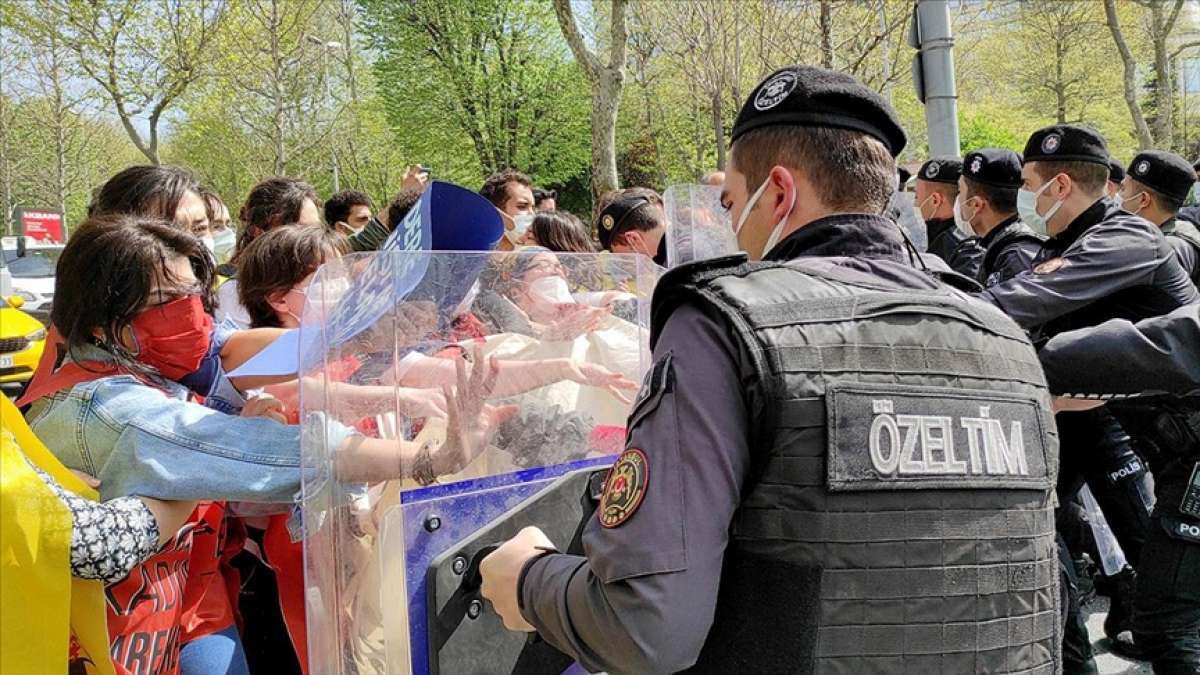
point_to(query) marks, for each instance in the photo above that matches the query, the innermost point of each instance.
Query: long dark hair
(280, 259)
(562, 232)
(153, 191)
(273, 202)
(105, 275)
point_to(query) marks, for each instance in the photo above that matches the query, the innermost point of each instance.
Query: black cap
(615, 218)
(1164, 172)
(1066, 143)
(941, 170)
(1116, 172)
(904, 175)
(997, 167)
(808, 96)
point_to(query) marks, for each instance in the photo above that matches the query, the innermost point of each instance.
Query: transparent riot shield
(698, 227)
(448, 400)
(902, 209)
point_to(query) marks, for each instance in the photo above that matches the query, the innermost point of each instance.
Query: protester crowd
(164, 290)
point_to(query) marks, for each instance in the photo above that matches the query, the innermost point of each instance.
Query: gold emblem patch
(1051, 265)
(607, 222)
(624, 489)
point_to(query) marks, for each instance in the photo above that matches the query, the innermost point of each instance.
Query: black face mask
(660, 258)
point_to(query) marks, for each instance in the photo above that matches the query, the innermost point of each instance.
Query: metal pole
(937, 66)
(329, 102)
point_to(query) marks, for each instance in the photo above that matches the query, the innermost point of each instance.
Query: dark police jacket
(1107, 264)
(961, 252)
(1184, 237)
(1009, 249)
(859, 457)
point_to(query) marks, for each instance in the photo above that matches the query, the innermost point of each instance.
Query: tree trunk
(1060, 89)
(826, 19)
(606, 95)
(718, 128)
(1145, 141)
(1164, 123)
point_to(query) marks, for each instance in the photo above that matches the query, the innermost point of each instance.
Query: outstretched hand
(471, 423)
(594, 375)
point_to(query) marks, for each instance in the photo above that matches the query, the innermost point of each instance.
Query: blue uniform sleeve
(1106, 259)
(643, 599)
(1121, 358)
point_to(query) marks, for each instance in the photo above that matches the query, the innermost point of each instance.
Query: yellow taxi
(22, 339)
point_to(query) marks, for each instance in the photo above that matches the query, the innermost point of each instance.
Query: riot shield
(902, 210)
(448, 400)
(698, 227)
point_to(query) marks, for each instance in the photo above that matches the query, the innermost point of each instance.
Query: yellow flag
(41, 604)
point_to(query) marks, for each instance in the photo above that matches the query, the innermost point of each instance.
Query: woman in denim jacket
(133, 311)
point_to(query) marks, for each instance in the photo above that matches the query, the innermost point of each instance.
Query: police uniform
(1158, 355)
(1011, 246)
(1171, 175)
(961, 251)
(1105, 264)
(1112, 362)
(857, 456)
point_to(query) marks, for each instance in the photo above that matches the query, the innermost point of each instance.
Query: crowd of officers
(804, 489)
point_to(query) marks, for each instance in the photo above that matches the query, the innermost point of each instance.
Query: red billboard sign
(42, 224)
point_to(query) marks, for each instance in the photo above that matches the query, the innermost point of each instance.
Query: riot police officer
(1099, 263)
(1116, 177)
(1108, 363)
(1156, 185)
(987, 203)
(936, 193)
(857, 456)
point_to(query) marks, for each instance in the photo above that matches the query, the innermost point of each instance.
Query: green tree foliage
(479, 85)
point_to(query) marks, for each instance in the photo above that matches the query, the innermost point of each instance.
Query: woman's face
(290, 305)
(177, 281)
(536, 304)
(544, 265)
(191, 215)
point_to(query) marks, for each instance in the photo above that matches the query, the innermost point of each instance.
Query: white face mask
(1121, 202)
(963, 223)
(521, 224)
(1118, 200)
(552, 290)
(223, 243)
(1027, 209)
(210, 245)
(775, 233)
(921, 207)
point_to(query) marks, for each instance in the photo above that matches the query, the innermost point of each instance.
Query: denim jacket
(148, 441)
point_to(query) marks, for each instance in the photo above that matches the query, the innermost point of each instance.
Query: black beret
(615, 218)
(808, 96)
(1116, 172)
(997, 167)
(1066, 143)
(904, 174)
(941, 170)
(1164, 172)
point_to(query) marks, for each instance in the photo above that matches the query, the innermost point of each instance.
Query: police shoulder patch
(624, 489)
(1048, 266)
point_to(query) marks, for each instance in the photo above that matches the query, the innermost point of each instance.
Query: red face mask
(173, 337)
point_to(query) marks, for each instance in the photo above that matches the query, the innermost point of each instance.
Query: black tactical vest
(1189, 233)
(898, 517)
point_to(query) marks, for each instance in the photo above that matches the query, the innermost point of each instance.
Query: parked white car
(32, 274)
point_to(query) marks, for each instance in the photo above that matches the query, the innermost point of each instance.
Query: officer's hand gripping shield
(482, 392)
